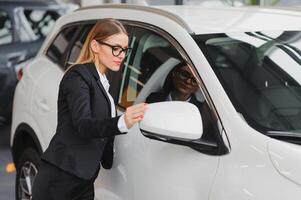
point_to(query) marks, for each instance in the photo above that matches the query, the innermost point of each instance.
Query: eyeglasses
(184, 75)
(116, 49)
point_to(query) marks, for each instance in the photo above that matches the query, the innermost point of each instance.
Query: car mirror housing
(176, 122)
(173, 120)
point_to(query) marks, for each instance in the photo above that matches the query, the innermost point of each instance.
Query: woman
(87, 121)
(179, 85)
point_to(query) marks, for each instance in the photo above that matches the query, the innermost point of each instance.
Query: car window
(260, 72)
(36, 23)
(149, 52)
(67, 45)
(6, 36)
(78, 44)
(58, 47)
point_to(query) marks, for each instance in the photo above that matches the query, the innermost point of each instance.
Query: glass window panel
(6, 36)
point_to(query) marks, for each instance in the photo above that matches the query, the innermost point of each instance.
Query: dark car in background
(23, 27)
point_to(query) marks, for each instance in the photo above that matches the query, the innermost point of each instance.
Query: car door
(145, 168)
(50, 69)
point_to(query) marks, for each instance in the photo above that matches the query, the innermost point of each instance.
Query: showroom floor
(7, 178)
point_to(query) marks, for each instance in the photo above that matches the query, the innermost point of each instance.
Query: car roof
(202, 20)
(234, 19)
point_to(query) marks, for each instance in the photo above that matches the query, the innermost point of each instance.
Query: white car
(246, 63)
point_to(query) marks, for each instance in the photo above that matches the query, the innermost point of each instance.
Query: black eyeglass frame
(125, 50)
(185, 78)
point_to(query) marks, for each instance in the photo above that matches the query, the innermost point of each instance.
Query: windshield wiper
(285, 136)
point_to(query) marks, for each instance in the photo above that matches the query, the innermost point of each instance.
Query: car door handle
(42, 104)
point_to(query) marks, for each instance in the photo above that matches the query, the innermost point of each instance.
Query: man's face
(184, 81)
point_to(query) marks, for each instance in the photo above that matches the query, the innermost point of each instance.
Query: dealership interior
(29, 37)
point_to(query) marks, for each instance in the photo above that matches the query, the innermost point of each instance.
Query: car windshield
(261, 74)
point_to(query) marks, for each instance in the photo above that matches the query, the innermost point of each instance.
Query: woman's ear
(94, 46)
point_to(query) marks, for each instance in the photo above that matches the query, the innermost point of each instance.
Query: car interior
(256, 85)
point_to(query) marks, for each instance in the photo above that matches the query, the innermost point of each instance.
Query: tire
(27, 170)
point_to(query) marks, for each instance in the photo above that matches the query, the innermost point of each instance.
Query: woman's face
(184, 81)
(112, 45)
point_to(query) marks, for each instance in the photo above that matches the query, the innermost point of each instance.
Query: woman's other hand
(134, 114)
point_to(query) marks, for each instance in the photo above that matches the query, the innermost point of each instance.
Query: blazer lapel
(93, 70)
(103, 90)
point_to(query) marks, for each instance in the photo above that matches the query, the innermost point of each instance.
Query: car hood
(286, 158)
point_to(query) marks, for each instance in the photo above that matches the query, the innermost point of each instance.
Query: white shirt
(105, 83)
(170, 99)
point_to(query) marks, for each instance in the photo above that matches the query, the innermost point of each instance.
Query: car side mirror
(175, 122)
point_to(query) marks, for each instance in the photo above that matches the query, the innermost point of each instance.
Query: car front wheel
(27, 170)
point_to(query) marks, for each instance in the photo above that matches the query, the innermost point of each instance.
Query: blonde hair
(102, 29)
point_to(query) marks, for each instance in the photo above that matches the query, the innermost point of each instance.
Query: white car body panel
(251, 166)
(286, 159)
(45, 102)
(140, 162)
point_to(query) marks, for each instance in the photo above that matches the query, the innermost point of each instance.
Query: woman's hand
(134, 114)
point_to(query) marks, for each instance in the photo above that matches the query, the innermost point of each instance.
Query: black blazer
(85, 130)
